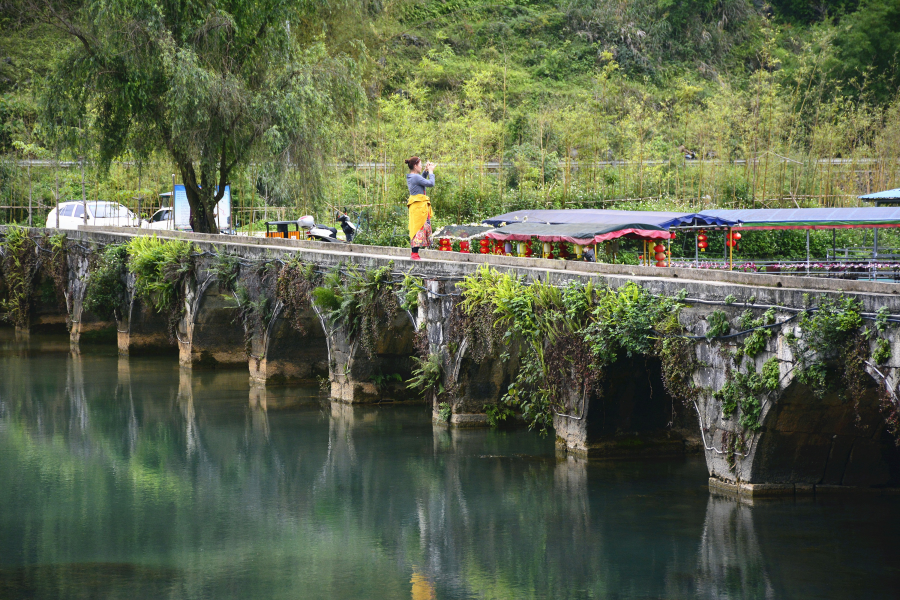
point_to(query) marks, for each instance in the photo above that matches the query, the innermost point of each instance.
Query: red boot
(415, 256)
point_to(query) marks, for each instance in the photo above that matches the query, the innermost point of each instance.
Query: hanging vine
(161, 269)
(296, 282)
(19, 267)
(362, 301)
(570, 334)
(56, 267)
(107, 294)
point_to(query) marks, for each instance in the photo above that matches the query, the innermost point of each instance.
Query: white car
(161, 219)
(99, 214)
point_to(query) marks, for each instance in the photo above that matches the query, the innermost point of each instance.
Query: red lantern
(445, 245)
(564, 250)
(464, 246)
(484, 242)
(659, 248)
(672, 235)
(701, 238)
(528, 251)
(660, 263)
(702, 246)
(660, 256)
(736, 235)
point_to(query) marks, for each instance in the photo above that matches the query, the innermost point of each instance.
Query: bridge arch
(143, 331)
(289, 350)
(211, 334)
(360, 377)
(630, 413)
(825, 440)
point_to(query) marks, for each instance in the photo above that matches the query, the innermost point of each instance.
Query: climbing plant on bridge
(830, 333)
(161, 269)
(410, 288)
(296, 281)
(25, 262)
(226, 268)
(362, 301)
(107, 295)
(19, 269)
(55, 267)
(569, 334)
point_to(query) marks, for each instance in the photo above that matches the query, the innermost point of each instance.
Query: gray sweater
(417, 184)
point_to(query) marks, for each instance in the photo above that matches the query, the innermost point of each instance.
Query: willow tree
(212, 83)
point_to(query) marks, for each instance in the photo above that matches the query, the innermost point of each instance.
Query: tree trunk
(201, 201)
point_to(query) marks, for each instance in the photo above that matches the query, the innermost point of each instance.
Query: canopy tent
(885, 197)
(661, 219)
(810, 218)
(582, 234)
(462, 232)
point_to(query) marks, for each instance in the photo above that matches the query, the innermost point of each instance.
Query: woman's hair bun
(412, 161)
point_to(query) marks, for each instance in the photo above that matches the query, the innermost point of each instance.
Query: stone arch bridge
(806, 443)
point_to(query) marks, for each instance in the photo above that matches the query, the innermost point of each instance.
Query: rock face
(805, 442)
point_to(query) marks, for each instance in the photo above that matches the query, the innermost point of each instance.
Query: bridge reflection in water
(134, 478)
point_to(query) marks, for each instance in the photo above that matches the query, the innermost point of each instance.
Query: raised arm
(419, 180)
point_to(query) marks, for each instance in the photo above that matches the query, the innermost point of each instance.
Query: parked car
(161, 219)
(99, 214)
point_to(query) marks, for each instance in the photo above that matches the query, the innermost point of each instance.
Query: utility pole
(57, 191)
(30, 224)
(83, 193)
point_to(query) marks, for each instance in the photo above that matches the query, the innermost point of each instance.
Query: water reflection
(132, 477)
(730, 559)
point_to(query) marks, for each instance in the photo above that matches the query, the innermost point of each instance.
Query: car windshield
(109, 210)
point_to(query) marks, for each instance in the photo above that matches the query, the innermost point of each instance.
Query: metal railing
(860, 269)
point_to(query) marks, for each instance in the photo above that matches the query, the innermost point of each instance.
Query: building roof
(886, 196)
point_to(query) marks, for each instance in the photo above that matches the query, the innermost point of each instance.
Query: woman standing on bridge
(419, 204)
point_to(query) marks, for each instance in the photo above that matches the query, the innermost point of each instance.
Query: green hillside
(636, 103)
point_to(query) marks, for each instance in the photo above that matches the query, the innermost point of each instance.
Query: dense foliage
(362, 301)
(161, 269)
(19, 270)
(570, 334)
(107, 294)
(210, 84)
(753, 94)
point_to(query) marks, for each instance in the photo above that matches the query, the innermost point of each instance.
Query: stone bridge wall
(805, 442)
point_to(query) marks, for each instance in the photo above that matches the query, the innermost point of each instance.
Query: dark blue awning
(811, 218)
(662, 219)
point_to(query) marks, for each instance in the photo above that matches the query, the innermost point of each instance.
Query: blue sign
(182, 209)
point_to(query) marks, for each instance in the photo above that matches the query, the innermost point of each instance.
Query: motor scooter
(324, 233)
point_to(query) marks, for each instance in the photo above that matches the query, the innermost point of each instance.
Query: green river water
(130, 478)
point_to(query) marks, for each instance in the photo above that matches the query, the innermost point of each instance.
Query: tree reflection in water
(130, 477)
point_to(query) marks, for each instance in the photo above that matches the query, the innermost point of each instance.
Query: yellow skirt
(419, 220)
